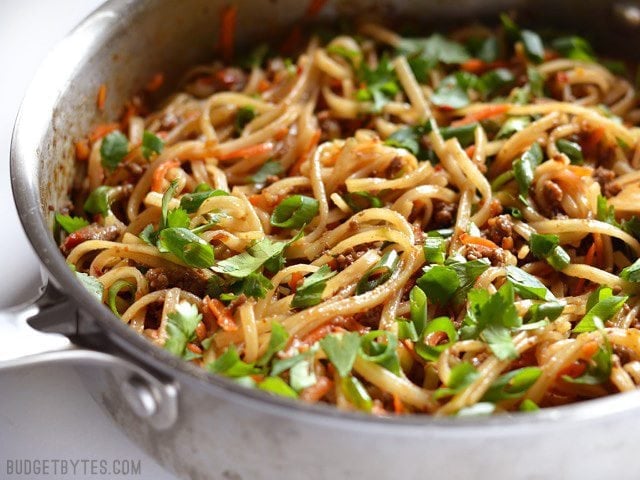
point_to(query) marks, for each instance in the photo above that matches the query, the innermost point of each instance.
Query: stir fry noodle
(441, 225)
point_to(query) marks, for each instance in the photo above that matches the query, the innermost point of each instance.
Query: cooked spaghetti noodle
(387, 224)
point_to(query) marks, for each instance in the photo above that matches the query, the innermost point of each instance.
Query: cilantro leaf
(113, 149)
(151, 144)
(492, 317)
(92, 284)
(99, 201)
(302, 375)
(341, 350)
(187, 246)
(526, 285)
(632, 272)
(70, 224)
(229, 364)
(257, 255)
(277, 341)
(271, 168)
(256, 285)
(575, 48)
(435, 48)
(178, 218)
(601, 306)
(312, 288)
(380, 83)
(181, 327)
(452, 90)
(440, 281)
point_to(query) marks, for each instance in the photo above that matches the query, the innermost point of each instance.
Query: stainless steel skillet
(208, 427)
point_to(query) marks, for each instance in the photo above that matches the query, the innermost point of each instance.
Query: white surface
(45, 413)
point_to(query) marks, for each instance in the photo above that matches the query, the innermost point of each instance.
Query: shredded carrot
(599, 251)
(250, 151)
(293, 41)
(398, 407)
(296, 277)
(467, 239)
(316, 391)
(201, 331)
(193, 348)
(573, 370)
(280, 134)
(580, 170)
(470, 150)
(317, 334)
(102, 97)
(333, 264)
(264, 85)
(488, 112)
(258, 200)
(589, 349)
(101, 130)
(155, 83)
(562, 78)
(314, 7)
(160, 172)
(222, 314)
(82, 150)
(313, 143)
(591, 143)
(474, 65)
(228, 31)
(588, 260)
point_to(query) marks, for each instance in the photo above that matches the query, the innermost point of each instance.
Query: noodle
(379, 224)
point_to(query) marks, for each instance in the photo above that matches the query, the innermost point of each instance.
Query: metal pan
(202, 426)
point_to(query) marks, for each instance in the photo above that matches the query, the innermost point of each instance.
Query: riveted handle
(21, 345)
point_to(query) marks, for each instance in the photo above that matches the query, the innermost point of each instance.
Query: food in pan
(391, 224)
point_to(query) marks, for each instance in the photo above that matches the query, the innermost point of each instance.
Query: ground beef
(153, 315)
(443, 213)
(191, 280)
(552, 194)
(500, 230)
(348, 257)
(370, 318)
(329, 127)
(606, 179)
(497, 256)
(394, 168)
(91, 232)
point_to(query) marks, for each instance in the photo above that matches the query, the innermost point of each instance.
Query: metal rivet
(140, 397)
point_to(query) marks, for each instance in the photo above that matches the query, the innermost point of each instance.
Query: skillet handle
(22, 346)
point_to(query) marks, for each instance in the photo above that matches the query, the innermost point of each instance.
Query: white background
(45, 412)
